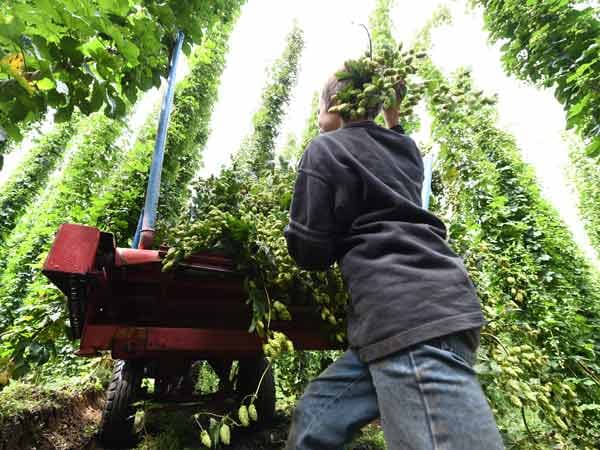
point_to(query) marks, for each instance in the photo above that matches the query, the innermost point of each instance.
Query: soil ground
(73, 425)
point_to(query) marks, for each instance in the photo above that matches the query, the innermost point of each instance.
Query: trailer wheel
(116, 428)
(249, 374)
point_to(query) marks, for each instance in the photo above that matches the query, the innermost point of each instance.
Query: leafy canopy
(555, 43)
(90, 53)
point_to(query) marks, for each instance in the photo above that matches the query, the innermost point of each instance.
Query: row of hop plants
(538, 362)
(585, 172)
(257, 152)
(556, 44)
(32, 174)
(118, 208)
(28, 319)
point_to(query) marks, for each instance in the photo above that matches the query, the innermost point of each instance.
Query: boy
(414, 317)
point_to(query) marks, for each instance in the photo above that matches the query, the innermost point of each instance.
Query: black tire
(162, 386)
(249, 374)
(116, 428)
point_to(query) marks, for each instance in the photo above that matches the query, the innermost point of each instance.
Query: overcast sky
(332, 36)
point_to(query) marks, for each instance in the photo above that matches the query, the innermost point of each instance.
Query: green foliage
(293, 151)
(441, 16)
(294, 370)
(116, 209)
(555, 43)
(257, 152)
(541, 298)
(381, 25)
(190, 122)
(90, 54)
(408, 87)
(586, 174)
(370, 438)
(244, 216)
(31, 175)
(32, 311)
(367, 84)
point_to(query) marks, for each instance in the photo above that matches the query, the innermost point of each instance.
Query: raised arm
(311, 233)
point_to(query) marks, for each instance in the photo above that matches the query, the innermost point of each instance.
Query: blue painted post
(138, 231)
(153, 191)
(426, 191)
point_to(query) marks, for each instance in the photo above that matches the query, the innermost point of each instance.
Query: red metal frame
(197, 311)
(76, 250)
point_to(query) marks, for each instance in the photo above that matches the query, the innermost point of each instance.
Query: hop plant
(225, 434)
(243, 416)
(277, 344)
(368, 83)
(243, 216)
(205, 439)
(252, 413)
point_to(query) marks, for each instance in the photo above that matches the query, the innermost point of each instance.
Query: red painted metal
(74, 250)
(131, 256)
(134, 310)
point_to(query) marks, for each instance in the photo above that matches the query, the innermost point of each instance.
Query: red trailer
(156, 324)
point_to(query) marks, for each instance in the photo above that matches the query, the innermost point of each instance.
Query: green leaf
(45, 84)
(119, 7)
(343, 75)
(593, 150)
(97, 99)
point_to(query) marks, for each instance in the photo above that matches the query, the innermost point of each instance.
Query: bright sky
(531, 114)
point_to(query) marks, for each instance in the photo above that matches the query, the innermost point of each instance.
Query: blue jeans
(428, 398)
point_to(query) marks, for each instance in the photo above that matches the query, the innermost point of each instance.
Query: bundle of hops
(243, 216)
(368, 83)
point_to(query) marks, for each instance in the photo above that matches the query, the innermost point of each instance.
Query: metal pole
(138, 231)
(153, 191)
(428, 169)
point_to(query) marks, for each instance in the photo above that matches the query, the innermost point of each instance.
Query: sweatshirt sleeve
(311, 232)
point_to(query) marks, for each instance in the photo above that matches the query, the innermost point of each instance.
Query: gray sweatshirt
(357, 201)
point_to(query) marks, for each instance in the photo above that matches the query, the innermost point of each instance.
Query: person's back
(414, 316)
(406, 284)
